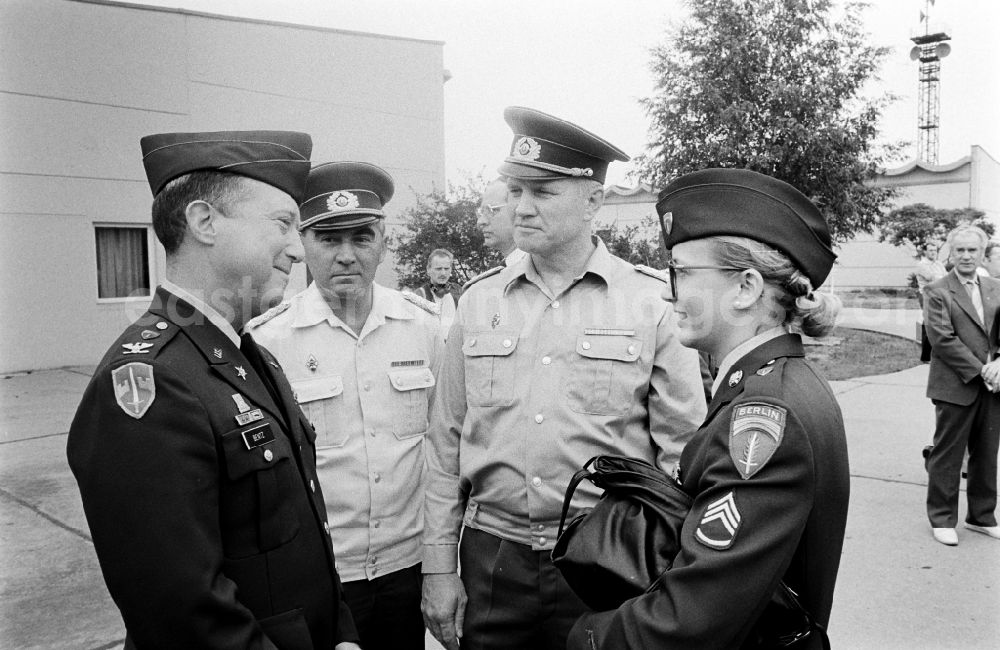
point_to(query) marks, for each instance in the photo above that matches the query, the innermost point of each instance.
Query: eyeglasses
(673, 268)
(490, 210)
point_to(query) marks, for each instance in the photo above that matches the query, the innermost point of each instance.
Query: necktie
(977, 300)
(250, 350)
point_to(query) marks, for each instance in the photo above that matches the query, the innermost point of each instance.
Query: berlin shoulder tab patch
(755, 432)
(134, 387)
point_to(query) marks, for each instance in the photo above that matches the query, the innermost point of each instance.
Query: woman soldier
(768, 469)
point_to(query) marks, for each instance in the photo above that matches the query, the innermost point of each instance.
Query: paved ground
(897, 587)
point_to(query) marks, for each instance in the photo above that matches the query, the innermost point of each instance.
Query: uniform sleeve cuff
(440, 558)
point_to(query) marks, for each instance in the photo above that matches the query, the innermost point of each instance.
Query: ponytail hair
(813, 312)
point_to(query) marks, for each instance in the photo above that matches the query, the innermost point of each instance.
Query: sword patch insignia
(134, 387)
(720, 523)
(755, 432)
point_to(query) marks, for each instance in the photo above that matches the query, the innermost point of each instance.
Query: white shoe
(946, 536)
(992, 531)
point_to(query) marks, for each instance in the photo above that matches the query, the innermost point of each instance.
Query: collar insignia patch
(241, 372)
(217, 353)
(735, 378)
(720, 523)
(495, 320)
(135, 389)
(312, 363)
(755, 431)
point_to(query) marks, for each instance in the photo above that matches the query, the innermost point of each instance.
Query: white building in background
(82, 80)
(971, 182)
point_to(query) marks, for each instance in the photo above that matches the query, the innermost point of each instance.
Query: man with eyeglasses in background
(496, 221)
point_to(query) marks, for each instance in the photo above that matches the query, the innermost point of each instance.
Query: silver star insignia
(241, 372)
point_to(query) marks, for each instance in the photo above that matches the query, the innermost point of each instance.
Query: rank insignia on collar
(766, 370)
(312, 363)
(720, 523)
(136, 348)
(755, 431)
(241, 372)
(735, 378)
(135, 389)
(495, 320)
(217, 353)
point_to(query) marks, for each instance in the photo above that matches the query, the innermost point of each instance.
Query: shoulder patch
(257, 321)
(755, 432)
(134, 388)
(662, 276)
(482, 276)
(426, 305)
(719, 523)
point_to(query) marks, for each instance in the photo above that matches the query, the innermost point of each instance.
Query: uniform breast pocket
(604, 374)
(258, 508)
(322, 400)
(489, 368)
(409, 400)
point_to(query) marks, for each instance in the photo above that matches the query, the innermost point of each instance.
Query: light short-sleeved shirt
(533, 385)
(368, 396)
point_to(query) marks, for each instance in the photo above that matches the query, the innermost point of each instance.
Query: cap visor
(343, 222)
(514, 170)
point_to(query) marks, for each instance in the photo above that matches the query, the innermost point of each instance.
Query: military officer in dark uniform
(196, 467)
(768, 470)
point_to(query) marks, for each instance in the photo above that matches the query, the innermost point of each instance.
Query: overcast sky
(587, 61)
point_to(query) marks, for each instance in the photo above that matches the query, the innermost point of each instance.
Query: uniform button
(378, 477)
(376, 523)
(539, 418)
(312, 485)
(537, 482)
(631, 349)
(506, 343)
(555, 304)
(546, 361)
(542, 540)
(541, 527)
(585, 345)
(161, 325)
(268, 455)
(368, 386)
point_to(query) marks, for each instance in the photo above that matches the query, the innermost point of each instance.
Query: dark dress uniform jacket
(744, 534)
(207, 538)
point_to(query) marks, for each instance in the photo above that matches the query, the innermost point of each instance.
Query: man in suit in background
(960, 311)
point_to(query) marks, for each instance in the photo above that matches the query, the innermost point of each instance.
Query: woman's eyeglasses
(673, 268)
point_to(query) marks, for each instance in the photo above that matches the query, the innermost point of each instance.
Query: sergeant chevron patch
(755, 432)
(720, 523)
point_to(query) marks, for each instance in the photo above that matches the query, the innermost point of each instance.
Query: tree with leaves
(924, 229)
(633, 244)
(774, 86)
(443, 219)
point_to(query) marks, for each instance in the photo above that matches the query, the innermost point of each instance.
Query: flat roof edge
(257, 21)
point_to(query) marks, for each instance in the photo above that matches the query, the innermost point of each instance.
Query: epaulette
(426, 305)
(482, 276)
(144, 339)
(662, 276)
(257, 321)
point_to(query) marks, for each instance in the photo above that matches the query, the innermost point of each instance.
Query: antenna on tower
(930, 48)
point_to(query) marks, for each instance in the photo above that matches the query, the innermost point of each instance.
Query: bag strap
(570, 489)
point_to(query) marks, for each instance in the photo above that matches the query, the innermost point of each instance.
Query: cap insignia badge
(526, 148)
(136, 348)
(495, 320)
(312, 363)
(755, 431)
(735, 378)
(342, 201)
(241, 372)
(135, 389)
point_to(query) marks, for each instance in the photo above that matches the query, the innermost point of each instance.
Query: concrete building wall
(82, 80)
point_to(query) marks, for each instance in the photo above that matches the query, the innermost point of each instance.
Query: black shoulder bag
(625, 545)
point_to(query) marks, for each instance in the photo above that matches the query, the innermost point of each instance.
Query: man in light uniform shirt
(361, 359)
(496, 221)
(566, 354)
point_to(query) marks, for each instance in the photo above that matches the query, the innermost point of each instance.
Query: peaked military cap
(546, 147)
(345, 195)
(278, 158)
(745, 203)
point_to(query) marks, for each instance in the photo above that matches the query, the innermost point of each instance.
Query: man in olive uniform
(361, 360)
(196, 467)
(565, 354)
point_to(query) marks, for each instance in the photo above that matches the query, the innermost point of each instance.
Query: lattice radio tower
(930, 48)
